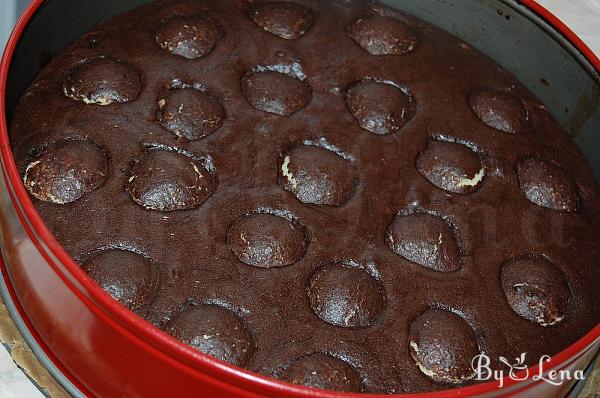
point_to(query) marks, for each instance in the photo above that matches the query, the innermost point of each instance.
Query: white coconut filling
(435, 376)
(29, 167)
(197, 170)
(427, 372)
(286, 172)
(101, 100)
(540, 318)
(471, 182)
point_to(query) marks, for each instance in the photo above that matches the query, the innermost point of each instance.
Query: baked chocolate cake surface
(331, 193)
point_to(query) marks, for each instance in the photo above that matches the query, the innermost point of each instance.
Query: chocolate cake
(330, 193)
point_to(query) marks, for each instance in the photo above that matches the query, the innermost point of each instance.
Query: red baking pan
(95, 347)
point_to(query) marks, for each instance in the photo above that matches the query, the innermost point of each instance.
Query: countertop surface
(582, 16)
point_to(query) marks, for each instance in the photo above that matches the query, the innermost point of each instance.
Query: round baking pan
(98, 348)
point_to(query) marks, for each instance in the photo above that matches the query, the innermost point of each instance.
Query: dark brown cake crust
(440, 203)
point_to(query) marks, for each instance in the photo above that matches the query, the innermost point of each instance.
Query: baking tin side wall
(56, 24)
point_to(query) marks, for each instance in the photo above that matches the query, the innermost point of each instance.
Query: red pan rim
(104, 306)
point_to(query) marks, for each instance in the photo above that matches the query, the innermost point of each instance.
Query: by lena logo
(518, 370)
